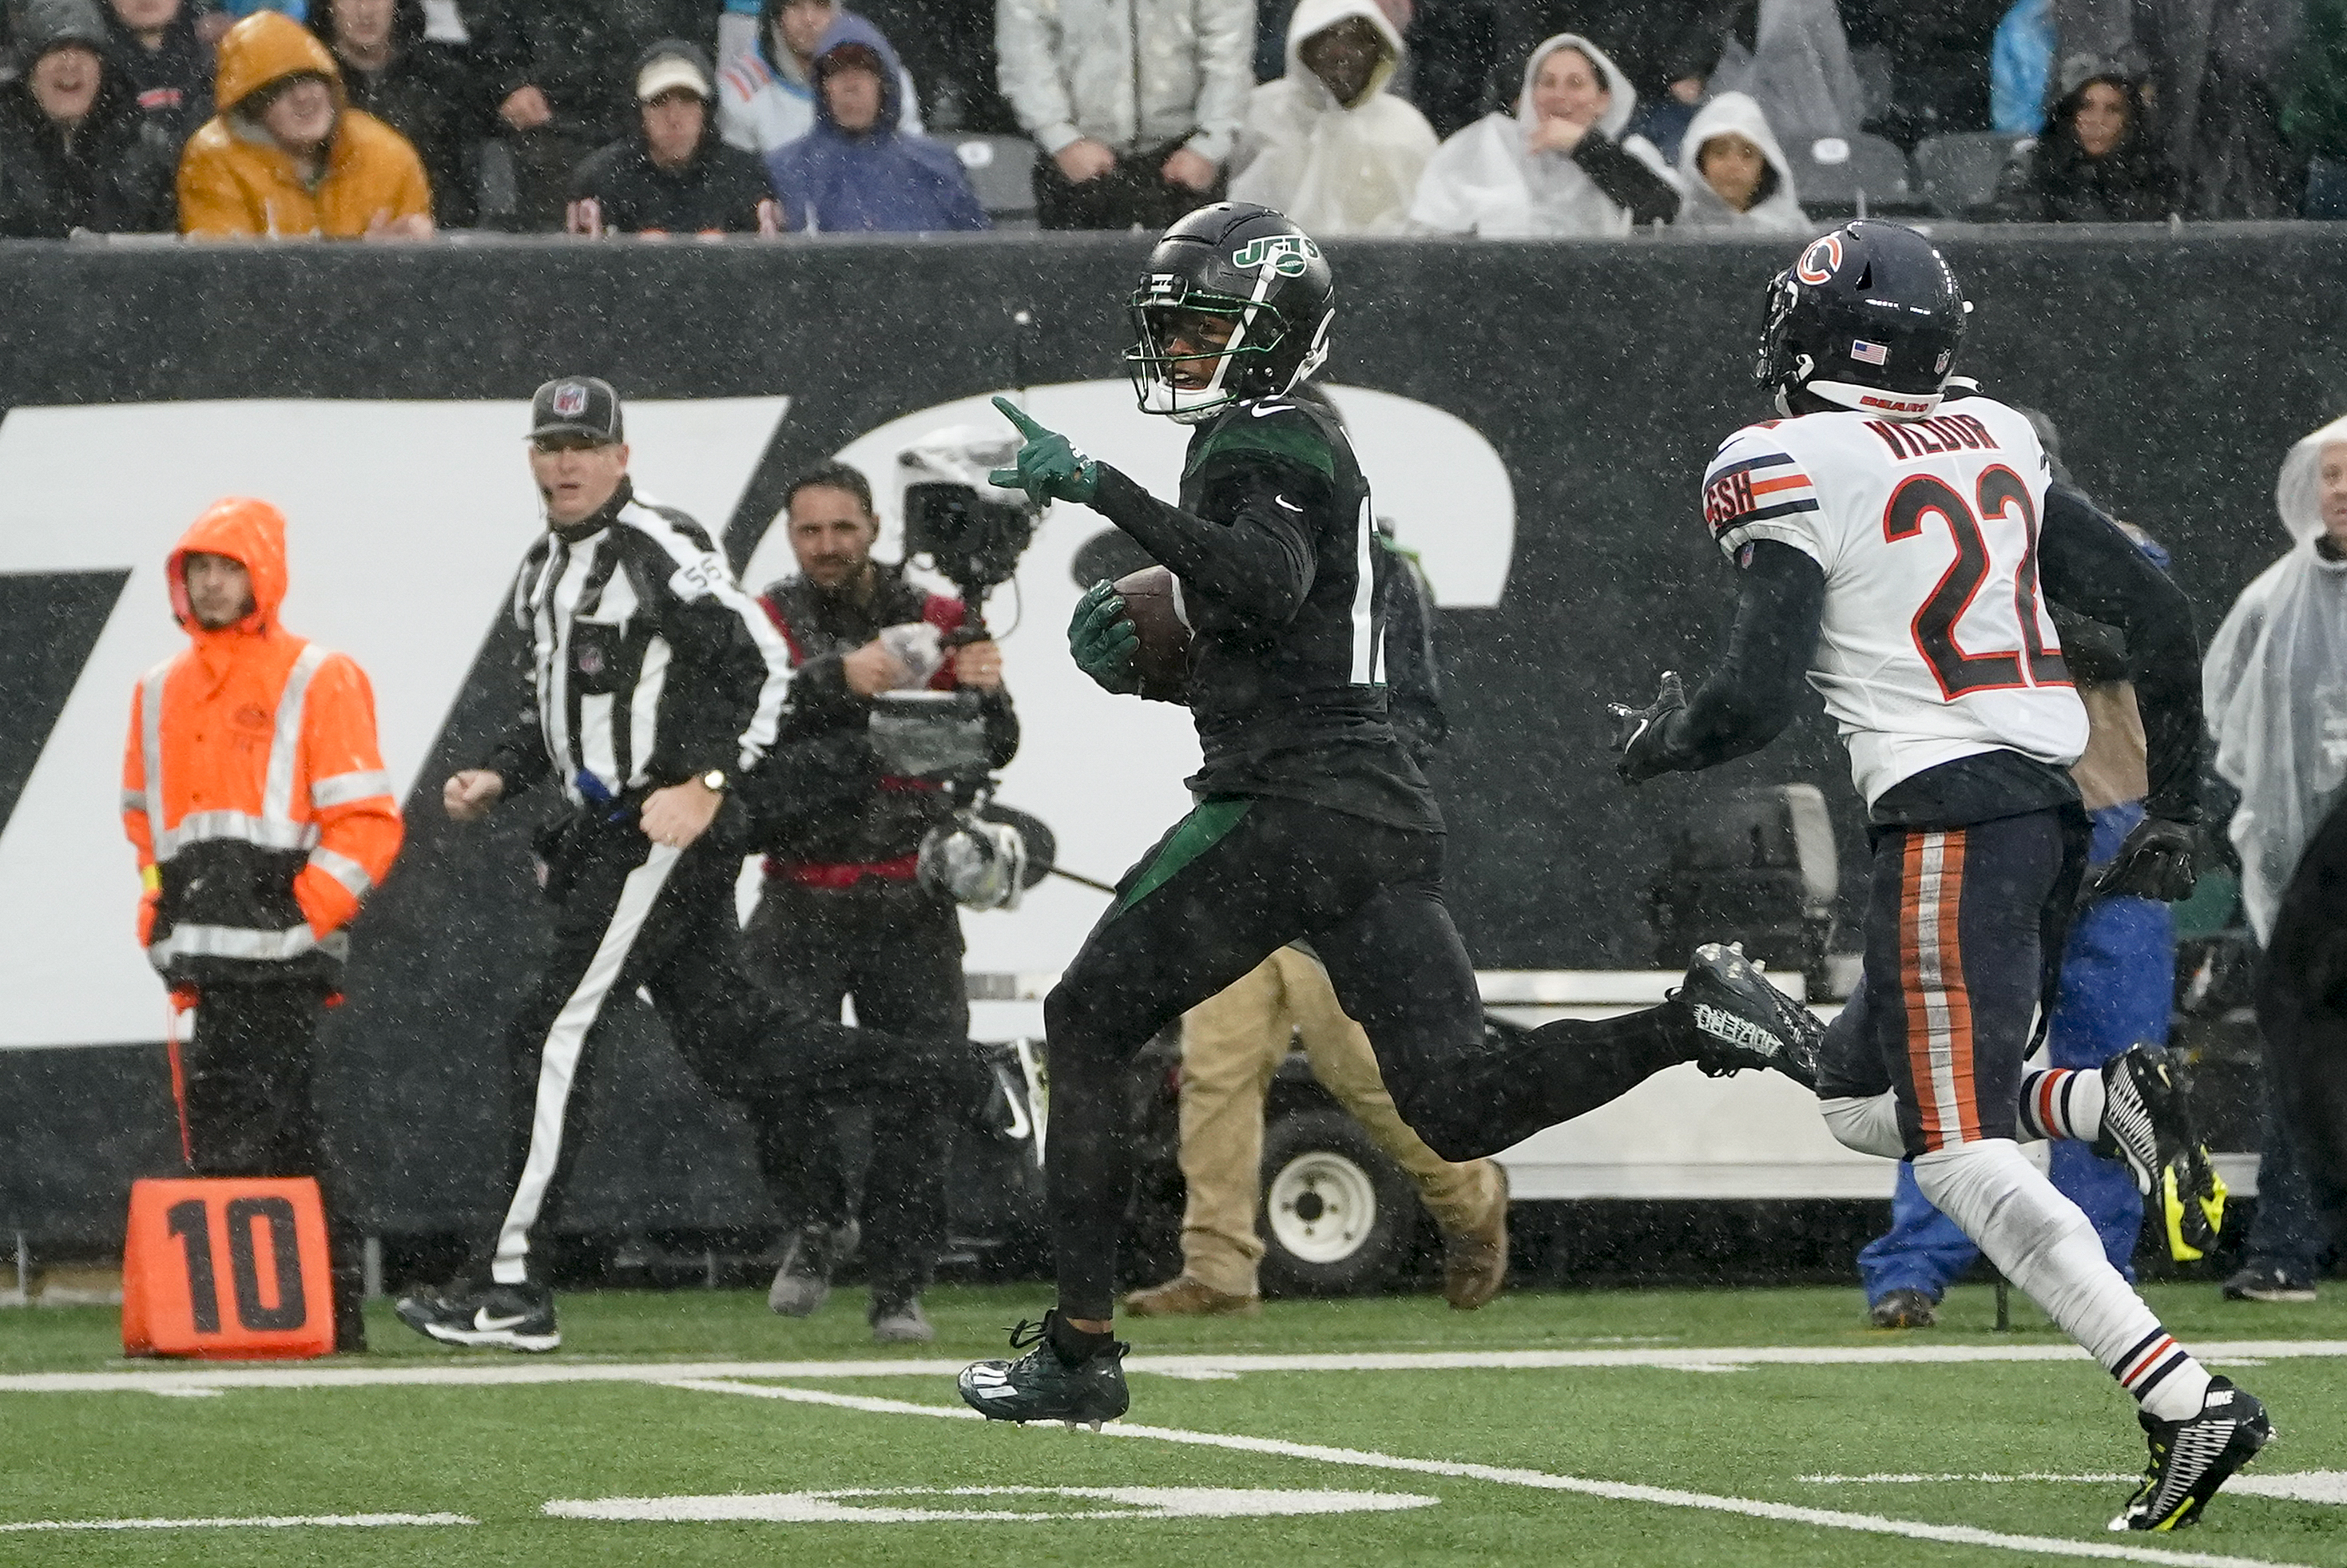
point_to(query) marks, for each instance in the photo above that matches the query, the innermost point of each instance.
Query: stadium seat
(1958, 171)
(1002, 171)
(1844, 176)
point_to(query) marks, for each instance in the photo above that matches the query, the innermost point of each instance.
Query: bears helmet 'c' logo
(569, 400)
(1820, 260)
(1286, 255)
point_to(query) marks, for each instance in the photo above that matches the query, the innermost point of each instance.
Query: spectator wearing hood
(288, 158)
(765, 95)
(1735, 174)
(1326, 143)
(424, 93)
(2314, 108)
(75, 152)
(2275, 709)
(2098, 161)
(558, 75)
(856, 171)
(1553, 170)
(160, 59)
(672, 175)
(1136, 105)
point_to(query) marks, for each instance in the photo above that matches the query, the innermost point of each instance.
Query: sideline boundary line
(1546, 1480)
(474, 1373)
(261, 1522)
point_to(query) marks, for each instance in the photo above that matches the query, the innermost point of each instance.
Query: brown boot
(1186, 1296)
(1475, 1262)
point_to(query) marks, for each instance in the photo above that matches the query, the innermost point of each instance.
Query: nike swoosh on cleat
(1288, 504)
(485, 1324)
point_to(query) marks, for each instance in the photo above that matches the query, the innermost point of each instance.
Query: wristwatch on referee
(714, 781)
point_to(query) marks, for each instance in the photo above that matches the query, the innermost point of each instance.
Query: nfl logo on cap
(569, 400)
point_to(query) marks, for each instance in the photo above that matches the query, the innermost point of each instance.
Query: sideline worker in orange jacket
(254, 791)
(288, 158)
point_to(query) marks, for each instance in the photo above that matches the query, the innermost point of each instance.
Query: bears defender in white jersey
(1934, 643)
(1897, 538)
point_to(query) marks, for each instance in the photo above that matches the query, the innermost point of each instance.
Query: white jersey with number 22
(1936, 644)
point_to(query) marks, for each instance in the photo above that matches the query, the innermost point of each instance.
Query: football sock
(1074, 1345)
(1870, 1125)
(2045, 1247)
(2062, 1103)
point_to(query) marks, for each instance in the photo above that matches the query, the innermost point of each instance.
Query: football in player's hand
(1153, 601)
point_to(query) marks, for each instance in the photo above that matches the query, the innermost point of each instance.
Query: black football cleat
(1742, 1020)
(1041, 1386)
(2190, 1460)
(2148, 1123)
(510, 1316)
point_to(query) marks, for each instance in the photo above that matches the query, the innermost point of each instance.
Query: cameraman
(843, 914)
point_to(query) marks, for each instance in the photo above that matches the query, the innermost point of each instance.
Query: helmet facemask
(1225, 348)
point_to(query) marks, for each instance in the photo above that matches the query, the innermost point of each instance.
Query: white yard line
(263, 1521)
(462, 1371)
(1616, 1491)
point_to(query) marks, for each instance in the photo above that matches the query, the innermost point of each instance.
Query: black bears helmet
(1235, 305)
(1869, 317)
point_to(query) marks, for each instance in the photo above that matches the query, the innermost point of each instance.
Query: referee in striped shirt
(660, 687)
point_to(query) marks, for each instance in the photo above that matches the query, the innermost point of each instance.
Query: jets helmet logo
(1286, 255)
(569, 400)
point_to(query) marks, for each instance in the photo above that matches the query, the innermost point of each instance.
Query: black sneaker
(1744, 1021)
(802, 1283)
(2148, 1123)
(1904, 1309)
(1041, 1386)
(2190, 1460)
(2262, 1282)
(513, 1316)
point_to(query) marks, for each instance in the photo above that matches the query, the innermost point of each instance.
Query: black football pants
(247, 1108)
(895, 947)
(1234, 882)
(630, 914)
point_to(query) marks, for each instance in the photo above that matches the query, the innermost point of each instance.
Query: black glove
(2156, 861)
(1638, 732)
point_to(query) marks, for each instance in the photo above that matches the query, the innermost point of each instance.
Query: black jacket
(723, 190)
(2052, 180)
(886, 821)
(172, 83)
(427, 95)
(580, 54)
(113, 176)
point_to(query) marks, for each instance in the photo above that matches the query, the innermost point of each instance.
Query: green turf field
(1609, 1438)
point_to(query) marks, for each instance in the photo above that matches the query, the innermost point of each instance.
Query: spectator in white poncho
(1735, 174)
(1326, 143)
(1559, 168)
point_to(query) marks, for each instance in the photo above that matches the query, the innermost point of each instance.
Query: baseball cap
(668, 69)
(577, 405)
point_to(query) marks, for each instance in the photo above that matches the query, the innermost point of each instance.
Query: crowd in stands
(400, 118)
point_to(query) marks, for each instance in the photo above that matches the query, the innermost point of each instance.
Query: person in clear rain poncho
(1559, 168)
(2275, 683)
(1326, 143)
(1735, 174)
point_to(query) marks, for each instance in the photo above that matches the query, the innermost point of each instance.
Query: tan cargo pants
(1231, 1047)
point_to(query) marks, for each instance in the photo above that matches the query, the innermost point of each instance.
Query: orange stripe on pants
(1931, 976)
(1910, 985)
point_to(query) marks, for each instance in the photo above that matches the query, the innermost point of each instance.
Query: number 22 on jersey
(1925, 501)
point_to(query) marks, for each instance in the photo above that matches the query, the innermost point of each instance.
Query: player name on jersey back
(1936, 643)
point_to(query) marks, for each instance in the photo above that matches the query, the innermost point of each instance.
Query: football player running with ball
(1311, 820)
(1898, 540)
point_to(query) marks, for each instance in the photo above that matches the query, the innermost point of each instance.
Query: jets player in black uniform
(1897, 539)
(1311, 821)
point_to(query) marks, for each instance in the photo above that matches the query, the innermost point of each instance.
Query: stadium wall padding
(2179, 366)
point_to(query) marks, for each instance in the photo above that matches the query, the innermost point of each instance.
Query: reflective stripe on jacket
(252, 784)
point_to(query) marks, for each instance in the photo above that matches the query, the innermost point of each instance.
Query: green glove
(1050, 467)
(1104, 641)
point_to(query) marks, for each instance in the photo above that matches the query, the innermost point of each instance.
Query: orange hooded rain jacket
(234, 180)
(251, 784)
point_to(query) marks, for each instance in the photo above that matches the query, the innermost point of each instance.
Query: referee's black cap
(577, 405)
